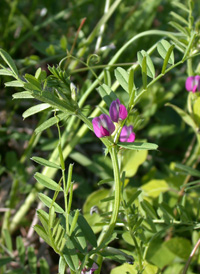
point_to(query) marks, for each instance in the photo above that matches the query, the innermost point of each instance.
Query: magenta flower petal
(131, 138)
(117, 111)
(103, 126)
(193, 83)
(127, 134)
(122, 112)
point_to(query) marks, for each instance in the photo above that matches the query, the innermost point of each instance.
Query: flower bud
(117, 111)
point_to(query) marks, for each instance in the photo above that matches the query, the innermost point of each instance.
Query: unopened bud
(73, 91)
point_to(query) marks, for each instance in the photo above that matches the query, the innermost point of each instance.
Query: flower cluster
(104, 124)
(193, 83)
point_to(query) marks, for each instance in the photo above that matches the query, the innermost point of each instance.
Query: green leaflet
(138, 146)
(47, 182)
(6, 57)
(163, 48)
(150, 70)
(106, 94)
(45, 162)
(49, 202)
(35, 109)
(122, 77)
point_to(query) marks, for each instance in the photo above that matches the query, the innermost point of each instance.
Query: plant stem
(190, 258)
(105, 235)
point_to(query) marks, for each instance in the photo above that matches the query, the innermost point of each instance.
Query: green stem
(103, 237)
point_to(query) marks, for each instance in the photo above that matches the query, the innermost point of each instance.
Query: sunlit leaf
(49, 202)
(6, 57)
(35, 109)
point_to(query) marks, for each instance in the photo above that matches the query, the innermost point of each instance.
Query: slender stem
(103, 237)
(102, 28)
(190, 258)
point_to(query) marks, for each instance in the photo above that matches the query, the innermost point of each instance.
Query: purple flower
(117, 111)
(193, 83)
(127, 134)
(103, 126)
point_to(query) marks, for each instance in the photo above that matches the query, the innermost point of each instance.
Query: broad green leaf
(47, 182)
(106, 94)
(5, 71)
(138, 146)
(49, 202)
(154, 187)
(50, 122)
(179, 246)
(188, 170)
(5, 260)
(44, 266)
(163, 48)
(35, 109)
(127, 238)
(70, 255)
(22, 95)
(149, 64)
(41, 232)
(131, 160)
(14, 83)
(124, 269)
(21, 249)
(159, 254)
(6, 57)
(44, 162)
(122, 77)
(186, 118)
(32, 260)
(150, 269)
